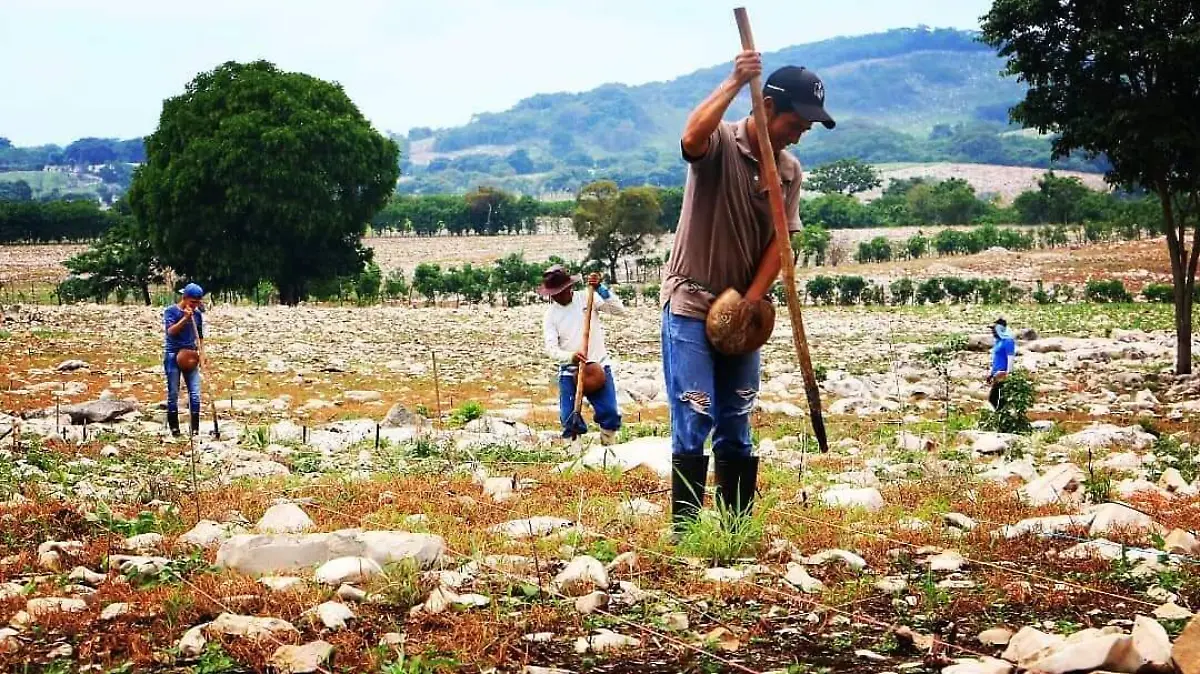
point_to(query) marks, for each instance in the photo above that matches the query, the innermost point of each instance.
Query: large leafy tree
(255, 173)
(844, 176)
(1119, 78)
(489, 210)
(616, 222)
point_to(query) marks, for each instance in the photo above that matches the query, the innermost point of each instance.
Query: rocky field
(386, 492)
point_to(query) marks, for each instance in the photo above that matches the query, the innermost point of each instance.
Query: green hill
(908, 95)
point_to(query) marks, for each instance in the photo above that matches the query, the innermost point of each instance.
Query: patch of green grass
(60, 666)
(467, 412)
(805, 668)
(932, 596)
(642, 430)
(429, 662)
(604, 550)
(175, 605)
(172, 573)
(516, 453)
(720, 536)
(307, 461)
(214, 660)
(932, 507)
(1098, 485)
(402, 585)
(257, 437)
(144, 523)
(5, 334)
(1170, 453)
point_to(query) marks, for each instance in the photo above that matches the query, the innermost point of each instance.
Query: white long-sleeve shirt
(562, 327)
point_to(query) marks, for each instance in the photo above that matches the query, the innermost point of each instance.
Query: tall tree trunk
(1183, 318)
(1183, 276)
(289, 293)
(146, 293)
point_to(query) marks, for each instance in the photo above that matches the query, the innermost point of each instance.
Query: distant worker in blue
(183, 326)
(1004, 351)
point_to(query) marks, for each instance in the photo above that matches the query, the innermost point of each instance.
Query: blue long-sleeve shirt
(1003, 351)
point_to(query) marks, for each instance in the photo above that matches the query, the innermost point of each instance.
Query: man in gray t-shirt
(726, 240)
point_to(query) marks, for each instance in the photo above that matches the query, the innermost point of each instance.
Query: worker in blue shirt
(1004, 351)
(183, 328)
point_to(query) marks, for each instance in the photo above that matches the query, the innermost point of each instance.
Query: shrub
(993, 291)
(1159, 292)
(626, 292)
(1094, 232)
(916, 246)
(427, 280)
(1063, 292)
(930, 290)
(368, 283)
(820, 289)
(75, 289)
(902, 291)
(874, 294)
(1111, 290)
(948, 242)
(850, 288)
(959, 289)
(651, 291)
(1041, 296)
(1170, 453)
(878, 249)
(396, 284)
(1017, 397)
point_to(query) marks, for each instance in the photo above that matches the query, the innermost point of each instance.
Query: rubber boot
(689, 473)
(736, 480)
(173, 423)
(195, 419)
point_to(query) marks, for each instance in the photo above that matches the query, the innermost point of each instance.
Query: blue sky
(75, 68)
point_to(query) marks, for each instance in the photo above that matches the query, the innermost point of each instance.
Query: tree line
(921, 201)
(82, 152)
(52, 222)
(851, 290)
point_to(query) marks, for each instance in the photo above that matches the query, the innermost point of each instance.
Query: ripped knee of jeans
(746, 396)
(699, 401)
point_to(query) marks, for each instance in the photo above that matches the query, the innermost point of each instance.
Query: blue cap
(193, 291)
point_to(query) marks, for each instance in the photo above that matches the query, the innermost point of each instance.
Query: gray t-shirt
(725, 225)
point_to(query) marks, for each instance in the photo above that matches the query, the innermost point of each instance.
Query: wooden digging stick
(587, 335)
(212, 401)
(787, 266)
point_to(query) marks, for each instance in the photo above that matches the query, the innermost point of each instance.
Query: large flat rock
(274, 553)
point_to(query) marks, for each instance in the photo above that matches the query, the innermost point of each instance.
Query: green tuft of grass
(720, 535)
(467, 412)
(402, 585)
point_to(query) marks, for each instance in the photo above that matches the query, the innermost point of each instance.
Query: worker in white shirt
(562, 332)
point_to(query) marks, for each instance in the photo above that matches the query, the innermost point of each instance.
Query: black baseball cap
(802, 91)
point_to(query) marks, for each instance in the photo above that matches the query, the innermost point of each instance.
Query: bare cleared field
(43, 263)
(987, 179)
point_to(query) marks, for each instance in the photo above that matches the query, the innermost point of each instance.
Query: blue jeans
(604, 403)
(191, 380)
(709, 392)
